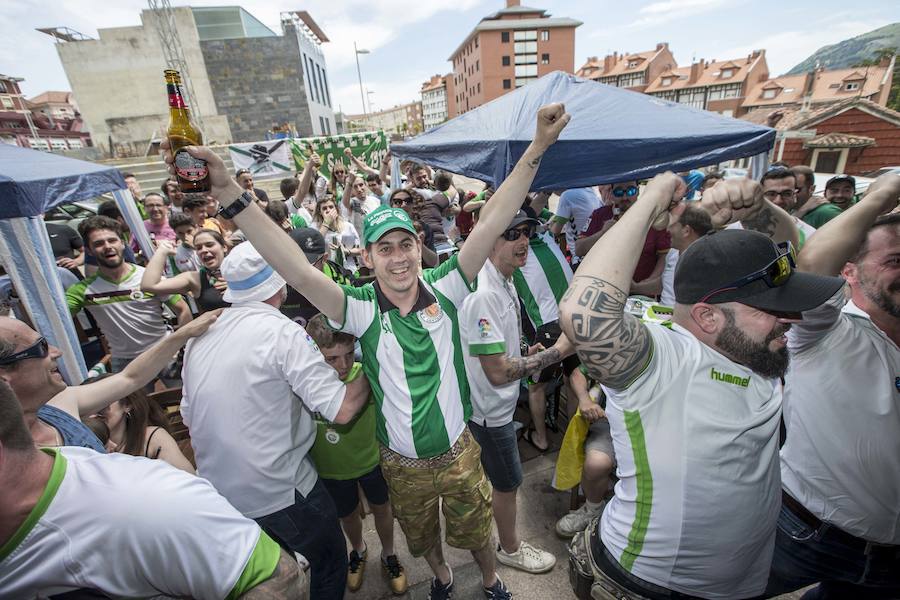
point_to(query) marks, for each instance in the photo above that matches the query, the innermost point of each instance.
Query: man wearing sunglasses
(652, 261)
(52, 410)
(694, 405)
(496, 362)
(840, 464)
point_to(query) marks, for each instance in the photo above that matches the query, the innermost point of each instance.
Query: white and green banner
(370, 147)
(270, 158)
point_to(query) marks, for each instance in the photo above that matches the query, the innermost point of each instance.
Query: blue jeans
(310, 527)
(805, 555)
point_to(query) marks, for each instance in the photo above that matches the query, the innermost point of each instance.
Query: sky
(411, 40)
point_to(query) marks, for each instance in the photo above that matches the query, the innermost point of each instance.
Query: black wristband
(243, 201)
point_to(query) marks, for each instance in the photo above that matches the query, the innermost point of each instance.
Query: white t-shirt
(489, 324)
(696, 441)
(349, 238)
(841, 459)
(667, 298)
(575, 209)
(360, 208)
(131, 527)
(242, 384)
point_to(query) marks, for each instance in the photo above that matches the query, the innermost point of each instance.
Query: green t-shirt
(821, 214)
(298, 222)
(346, 451)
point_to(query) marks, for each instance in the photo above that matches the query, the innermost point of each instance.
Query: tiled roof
(826, 86)
(795, 118)
(51, 97)
(839, 140)
(710, 75)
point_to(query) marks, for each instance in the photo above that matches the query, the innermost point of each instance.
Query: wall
(319, 99)
(258, 82)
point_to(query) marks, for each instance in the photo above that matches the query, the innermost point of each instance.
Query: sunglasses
(775, 274)
(402, 201)
(630, 191)
(511, 235)
(40, 349)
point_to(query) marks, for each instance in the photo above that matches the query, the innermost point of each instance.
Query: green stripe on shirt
(485, 349)
(644, 481)
(260, 566)
(532, 309)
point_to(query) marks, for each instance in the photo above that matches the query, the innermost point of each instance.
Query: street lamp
(362, 96)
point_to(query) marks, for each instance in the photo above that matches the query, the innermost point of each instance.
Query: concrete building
(438, 100)
(633, 71)
(717, 86)
(402, 120)
(508, 49)
(245, 77)
(50, 121)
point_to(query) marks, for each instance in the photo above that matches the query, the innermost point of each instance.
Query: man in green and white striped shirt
(409, 333)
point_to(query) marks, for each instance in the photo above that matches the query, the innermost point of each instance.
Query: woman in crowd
(340, 234)
(206, 285)
(139, 427)
(338, 178)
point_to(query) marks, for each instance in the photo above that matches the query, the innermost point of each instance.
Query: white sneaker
(577, 520)
(527, 558)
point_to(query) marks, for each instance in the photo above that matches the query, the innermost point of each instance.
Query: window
(545, 35)
(476, 42)
(505, 61)
(322, 125)
(504, 37)
(526, 59)
(769, 94)
(59, 144)
(851, 85)
(666, 81)
(477, 65)
(526, 71)
(525, 47)
(724, 92)
(632, 64)
(631, 80)
(726, 73)
(545, 59)
(7, 102)
(525, 36)
(75, 144)
(479, 87)
(507, 84)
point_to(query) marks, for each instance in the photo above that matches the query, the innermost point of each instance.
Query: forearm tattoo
(517, 368)
(613, 345)
(283, 584)
(763, 221)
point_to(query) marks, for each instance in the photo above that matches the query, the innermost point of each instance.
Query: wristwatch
(243, 201)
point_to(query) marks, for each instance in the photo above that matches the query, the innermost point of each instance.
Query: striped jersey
(415, 364)
(699, 491)
(131, 319)
(543, 280)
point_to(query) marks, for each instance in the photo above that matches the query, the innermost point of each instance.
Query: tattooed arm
(773, 222)
(498, 213)
(742, 200)
(283, 584)
(501, 369)
(613, 345)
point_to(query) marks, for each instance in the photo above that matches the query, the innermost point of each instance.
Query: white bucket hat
(249, 276)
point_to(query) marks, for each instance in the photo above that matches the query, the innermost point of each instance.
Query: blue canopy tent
(31, 183)
(614, 135)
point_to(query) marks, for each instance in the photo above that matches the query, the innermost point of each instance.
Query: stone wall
(257, 82)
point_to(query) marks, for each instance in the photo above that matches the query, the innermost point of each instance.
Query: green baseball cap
(384, 219)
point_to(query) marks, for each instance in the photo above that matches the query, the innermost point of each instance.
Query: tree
(885, 54)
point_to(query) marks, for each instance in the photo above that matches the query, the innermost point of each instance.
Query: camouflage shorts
(460, 489)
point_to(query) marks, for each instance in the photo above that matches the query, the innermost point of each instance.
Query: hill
(850, 52)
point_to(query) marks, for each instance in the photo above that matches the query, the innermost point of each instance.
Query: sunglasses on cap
(40, 349)
(511, 235)
(775, 274)
(629, 191)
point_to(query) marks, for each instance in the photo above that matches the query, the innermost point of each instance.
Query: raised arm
(309, 169)
(84, 400)
(269, 239)
(362, 166)
(497, 214)
(753, 211)
(615, 346)
(501, 369)
(385, 172)
(153, 281)
(836, 242)
(348, 191)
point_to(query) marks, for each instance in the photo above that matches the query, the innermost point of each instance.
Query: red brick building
(508, 49)
(632, 71)
(853, 136)
(50, 121)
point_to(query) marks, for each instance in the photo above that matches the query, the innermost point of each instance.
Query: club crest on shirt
(136, 294)
(311, 342)
(484, 327)
(431, 313)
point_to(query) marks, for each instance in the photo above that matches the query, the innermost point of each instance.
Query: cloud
(658, 13)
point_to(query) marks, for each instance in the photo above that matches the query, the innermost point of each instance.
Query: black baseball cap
(311, 242)
(522, 217)
(839, 178)
(721, 258)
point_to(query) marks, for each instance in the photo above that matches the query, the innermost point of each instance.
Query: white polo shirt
(242, 384)
(841, 459)
(667, 297)
(489, 324)
(135, 528)
(696, 441)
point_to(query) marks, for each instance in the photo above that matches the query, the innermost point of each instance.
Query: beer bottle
(191, 172)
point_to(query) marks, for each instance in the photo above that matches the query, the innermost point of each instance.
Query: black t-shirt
(297, 308)
(63, 240)
(261, 194)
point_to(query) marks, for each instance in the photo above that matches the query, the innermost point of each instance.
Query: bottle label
(176, 96)
(190, 168)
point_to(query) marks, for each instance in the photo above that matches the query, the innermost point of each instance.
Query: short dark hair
(165, 184)
(888, 220)
(109, 208)
(324, 336)
(442, 181)
(809, 176)
(127, 175)
(180, 220)
(277, 211)
(697, 219)
(240, 172)
(193, 202)
(289, 187)
(160, 196)
(779, 164)
(777, 173)
(97, 223)
(373, 177)
(14, 434)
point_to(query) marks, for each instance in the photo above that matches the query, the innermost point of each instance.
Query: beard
(880, 297)
(110, 263)
(754, 355)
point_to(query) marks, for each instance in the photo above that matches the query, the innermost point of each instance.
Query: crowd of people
(730, 346)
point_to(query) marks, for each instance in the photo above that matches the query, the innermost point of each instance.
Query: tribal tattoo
(763, 221)
(517, 368)
(612, 344)
(283, 584)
